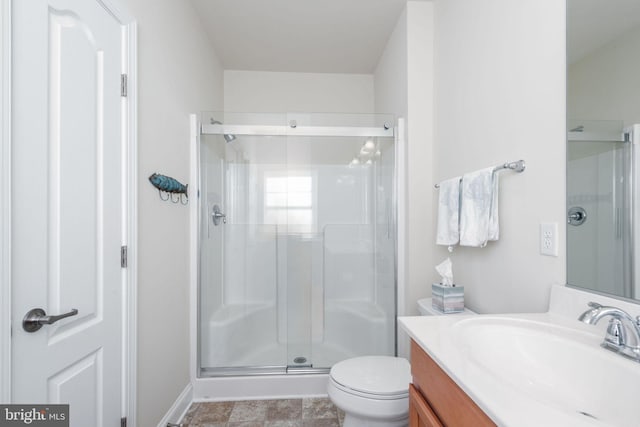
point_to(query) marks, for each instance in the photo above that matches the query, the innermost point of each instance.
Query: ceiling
(594, 23)
(321, 36)
(348, 36)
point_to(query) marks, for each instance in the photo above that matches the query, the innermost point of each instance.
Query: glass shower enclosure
(600, 203)
(297, 239)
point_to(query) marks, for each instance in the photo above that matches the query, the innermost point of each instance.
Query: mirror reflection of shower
(302, 274)
(601, 207)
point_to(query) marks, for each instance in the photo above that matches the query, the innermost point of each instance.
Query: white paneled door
(67, 207)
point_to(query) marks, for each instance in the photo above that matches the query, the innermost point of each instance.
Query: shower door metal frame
(199, 129)
(282, 130)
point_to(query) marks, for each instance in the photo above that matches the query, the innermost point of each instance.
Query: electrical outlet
(549, 238)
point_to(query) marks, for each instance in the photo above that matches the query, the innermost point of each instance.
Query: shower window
(289, 200)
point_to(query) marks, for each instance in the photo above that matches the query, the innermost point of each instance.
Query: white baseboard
(259, 387)
(179, 408)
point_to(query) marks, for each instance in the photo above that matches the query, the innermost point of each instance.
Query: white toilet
(373, 391)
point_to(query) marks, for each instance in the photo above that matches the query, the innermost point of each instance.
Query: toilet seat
(374, 377)
(369, 396)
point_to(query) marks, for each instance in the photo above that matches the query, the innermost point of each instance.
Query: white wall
(500, 96)
(391, 92)
(276, 92)
(178, 74)
(404, 87)
(391, 74)
(421, 143)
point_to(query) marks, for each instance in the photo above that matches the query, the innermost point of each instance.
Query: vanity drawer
(449, 402)
(420, 413)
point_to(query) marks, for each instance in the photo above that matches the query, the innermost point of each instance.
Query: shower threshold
(240, 371)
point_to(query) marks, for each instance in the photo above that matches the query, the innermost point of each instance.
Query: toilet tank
(425, 309)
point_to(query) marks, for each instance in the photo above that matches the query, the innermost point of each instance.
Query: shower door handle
(217, 214)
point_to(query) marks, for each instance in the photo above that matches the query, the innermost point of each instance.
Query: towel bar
(517, 166)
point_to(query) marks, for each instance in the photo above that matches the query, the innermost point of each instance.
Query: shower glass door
(299, 273)
(240, 276)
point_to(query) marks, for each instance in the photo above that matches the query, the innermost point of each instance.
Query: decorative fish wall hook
(173, 190)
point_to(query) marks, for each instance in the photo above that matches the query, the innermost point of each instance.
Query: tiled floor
(306, 412)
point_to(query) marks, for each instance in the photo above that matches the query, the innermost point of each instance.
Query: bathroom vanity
(436, 400)
(521, 370)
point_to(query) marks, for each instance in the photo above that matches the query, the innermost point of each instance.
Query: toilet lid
(379, 375)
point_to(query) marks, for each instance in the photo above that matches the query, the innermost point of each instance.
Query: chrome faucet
(623, 332)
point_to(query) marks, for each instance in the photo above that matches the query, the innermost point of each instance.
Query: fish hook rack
(171, 188)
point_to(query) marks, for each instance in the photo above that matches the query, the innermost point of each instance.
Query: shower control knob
(576, 216)
(217, 215)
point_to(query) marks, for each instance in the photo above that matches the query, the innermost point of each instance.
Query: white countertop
(508, 405)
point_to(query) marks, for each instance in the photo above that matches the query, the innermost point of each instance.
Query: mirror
(603, 105)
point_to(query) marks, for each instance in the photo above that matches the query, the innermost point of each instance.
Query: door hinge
(123, 422)
(123, 256)
(123, 85)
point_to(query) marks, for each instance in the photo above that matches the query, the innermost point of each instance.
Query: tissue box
(447, 299)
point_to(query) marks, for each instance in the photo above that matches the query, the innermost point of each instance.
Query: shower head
(229, 137)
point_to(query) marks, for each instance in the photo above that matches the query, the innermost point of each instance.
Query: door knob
(37, 317)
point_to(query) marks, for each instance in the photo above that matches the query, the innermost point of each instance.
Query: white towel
(448, 231)
(494, 223)
(479, 208)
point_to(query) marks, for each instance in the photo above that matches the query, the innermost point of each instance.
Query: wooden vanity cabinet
(435, 400)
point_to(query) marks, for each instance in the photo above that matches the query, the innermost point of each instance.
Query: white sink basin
(533, 369)
(561, 367)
